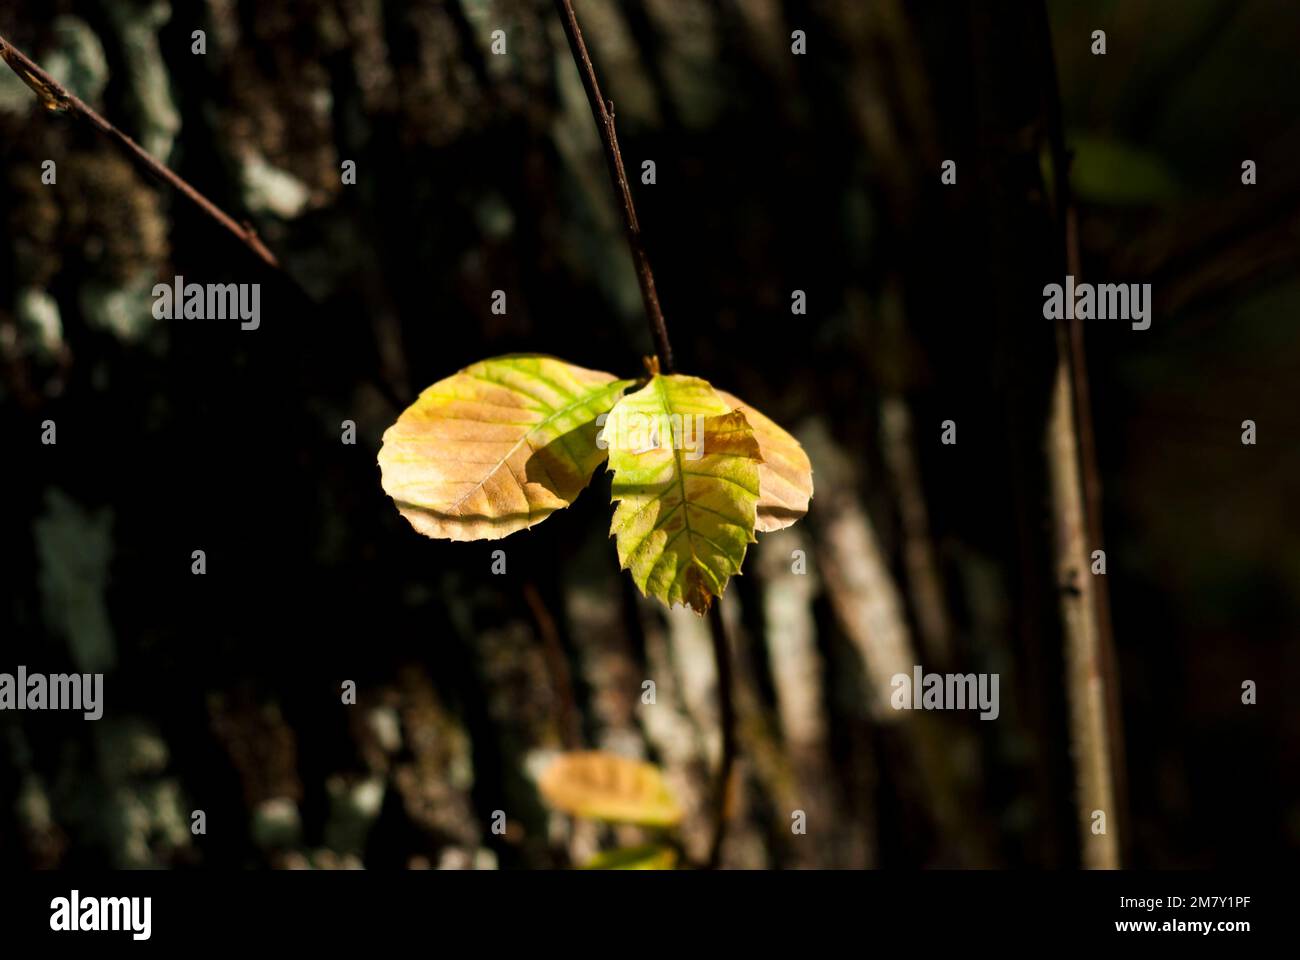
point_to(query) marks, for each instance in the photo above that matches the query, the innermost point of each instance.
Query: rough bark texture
(478, 172)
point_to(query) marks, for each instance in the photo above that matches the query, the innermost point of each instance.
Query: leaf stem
(603, 112)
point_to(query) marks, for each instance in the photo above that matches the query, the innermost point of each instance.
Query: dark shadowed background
(774, 173)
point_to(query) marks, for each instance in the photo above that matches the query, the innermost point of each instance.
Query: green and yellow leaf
(605, 786)
(686, 479)
(649, 857)
(785, 480)
(497, 447)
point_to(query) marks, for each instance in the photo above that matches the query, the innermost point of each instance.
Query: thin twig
(557, 664)
(604, 114)
(1085, 675)
(58, 100)
(727, 720)
(1092, 496)
(1090, 657)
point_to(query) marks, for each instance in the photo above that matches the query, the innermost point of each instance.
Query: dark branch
(604, 114)
(1089, 470)
(58, 100)
(727, 720)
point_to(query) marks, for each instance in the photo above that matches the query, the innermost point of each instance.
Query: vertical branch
(1092, 511)
(727, 719)
(604, 115)
(1085, 677)
(1091, 677)
(557, 664)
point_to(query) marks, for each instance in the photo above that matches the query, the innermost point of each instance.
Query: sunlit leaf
(785, 483)
(649, 857)
(497, 447)
(605, 786)
(686, 481)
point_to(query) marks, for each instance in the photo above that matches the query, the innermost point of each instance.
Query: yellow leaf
(686, 479)
(605, 786)
(497, 447)
(785, 483)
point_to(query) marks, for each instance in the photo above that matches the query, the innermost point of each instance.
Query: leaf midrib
(681, 477)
